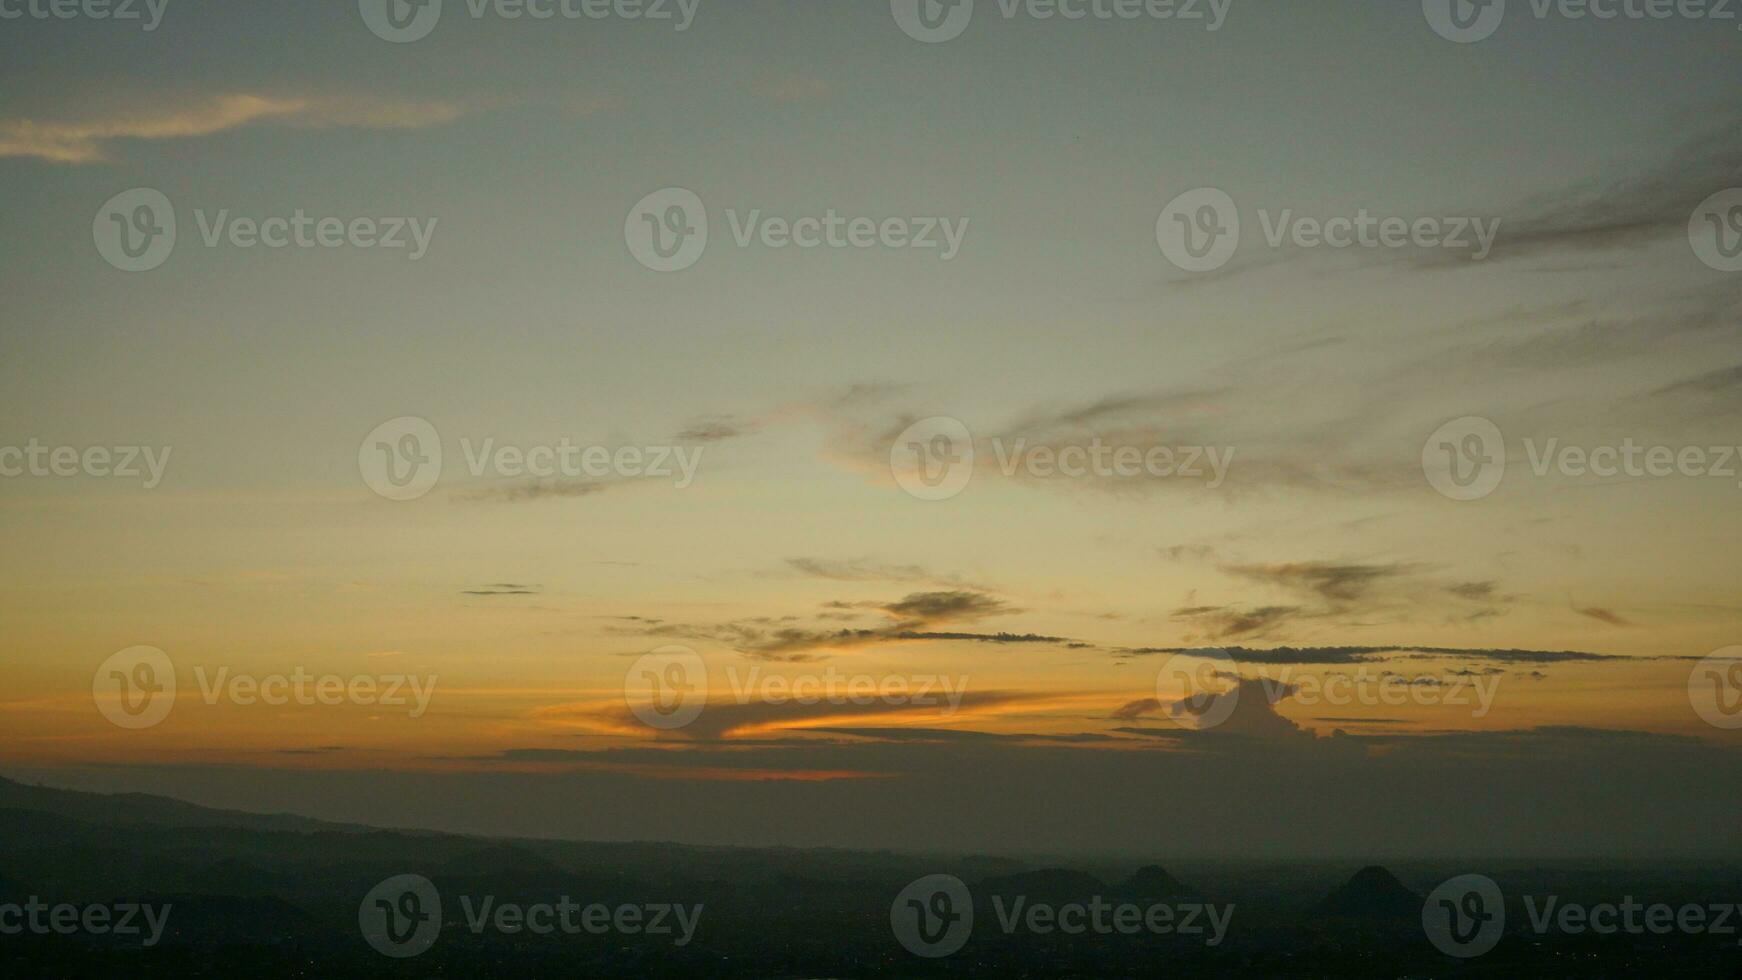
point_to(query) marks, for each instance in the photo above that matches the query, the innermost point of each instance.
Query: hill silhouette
(1152, 883)
(1373, 891)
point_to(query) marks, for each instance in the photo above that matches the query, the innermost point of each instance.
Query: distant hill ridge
(1150, 883)
(161, 811)
(1373, 891)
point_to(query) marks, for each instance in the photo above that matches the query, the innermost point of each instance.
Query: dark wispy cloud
(1328, 580)
(1227, 622)
(913, 618)
(1133, 710)
(716, 428)
(1606, 616)
(1650, 206)
(867, 570)
(1363, 654)
(725, 719)
(535, 490)
(504, 588)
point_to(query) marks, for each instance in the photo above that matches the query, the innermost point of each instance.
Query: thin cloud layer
(92, 139)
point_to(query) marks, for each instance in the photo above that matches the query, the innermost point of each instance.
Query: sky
(779, 518)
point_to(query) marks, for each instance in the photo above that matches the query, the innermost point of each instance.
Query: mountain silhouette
(1056, 885)
(140, 808)
(1152, 883)
(1373, 891)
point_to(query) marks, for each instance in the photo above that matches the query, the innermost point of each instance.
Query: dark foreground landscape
(245, 894)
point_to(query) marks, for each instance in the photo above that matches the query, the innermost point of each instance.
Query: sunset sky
(1585, 601)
